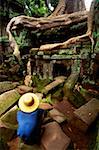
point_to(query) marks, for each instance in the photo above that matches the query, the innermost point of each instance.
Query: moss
(40, 83)
(7, 100)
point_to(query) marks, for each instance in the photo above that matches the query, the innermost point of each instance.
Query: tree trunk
(68, 6)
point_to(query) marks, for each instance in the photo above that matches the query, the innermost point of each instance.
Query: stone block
(66, 108)
(80, 139)
(7, 100)
(10, 118)
(6, 133)
(24, 89)
(88, 112)
(57, 115)
(54, 138)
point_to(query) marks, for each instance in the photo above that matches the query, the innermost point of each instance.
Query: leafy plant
(35, 8)
(39, 82)
(22, 39)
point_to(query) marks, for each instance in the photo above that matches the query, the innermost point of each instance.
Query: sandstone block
(88, 112)
(57, 115)
(54, 138)
(66, 108)
(6, 133)
(7, 100)
(10, 118)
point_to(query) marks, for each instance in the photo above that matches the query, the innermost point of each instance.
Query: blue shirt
(29, 125)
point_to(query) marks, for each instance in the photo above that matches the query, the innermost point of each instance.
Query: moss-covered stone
(6, 133)
(9, 118)
(7, 85)
(8, 99)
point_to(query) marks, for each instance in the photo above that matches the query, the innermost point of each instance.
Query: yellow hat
(28, 102)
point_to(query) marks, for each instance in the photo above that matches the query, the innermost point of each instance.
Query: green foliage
(48, 99)
(22, 39)
(12, 13)
(95, 35)
(39, 82)
(36, 8)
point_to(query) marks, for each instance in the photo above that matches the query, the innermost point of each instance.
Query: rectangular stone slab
(88, 112)
(8, 99)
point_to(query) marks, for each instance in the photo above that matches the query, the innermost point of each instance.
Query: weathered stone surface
(53, 84)
(70, 83)
(39, 95)
(54, 138)
(7, 85)
(57, 115)
(24, 89)
(79, 138)
(79, 124)
(6, 133)
(88, 112)
(9, 118)
(45, 106)
(8, 99)
(66, 108)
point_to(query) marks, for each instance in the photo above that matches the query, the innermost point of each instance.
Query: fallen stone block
(7, 100)
(70, 83)
(88, 112)
(54, 138)
(57, 115)
(10, 118)
(24, 89)
(66, 108)
(79, 124)
(7, 85)
(6, 133)
(80, 140)
(52, 85)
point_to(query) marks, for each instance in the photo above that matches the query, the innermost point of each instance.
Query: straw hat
(28, 102)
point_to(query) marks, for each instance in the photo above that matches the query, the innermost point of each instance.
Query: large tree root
(64, 44)
(41, 24)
